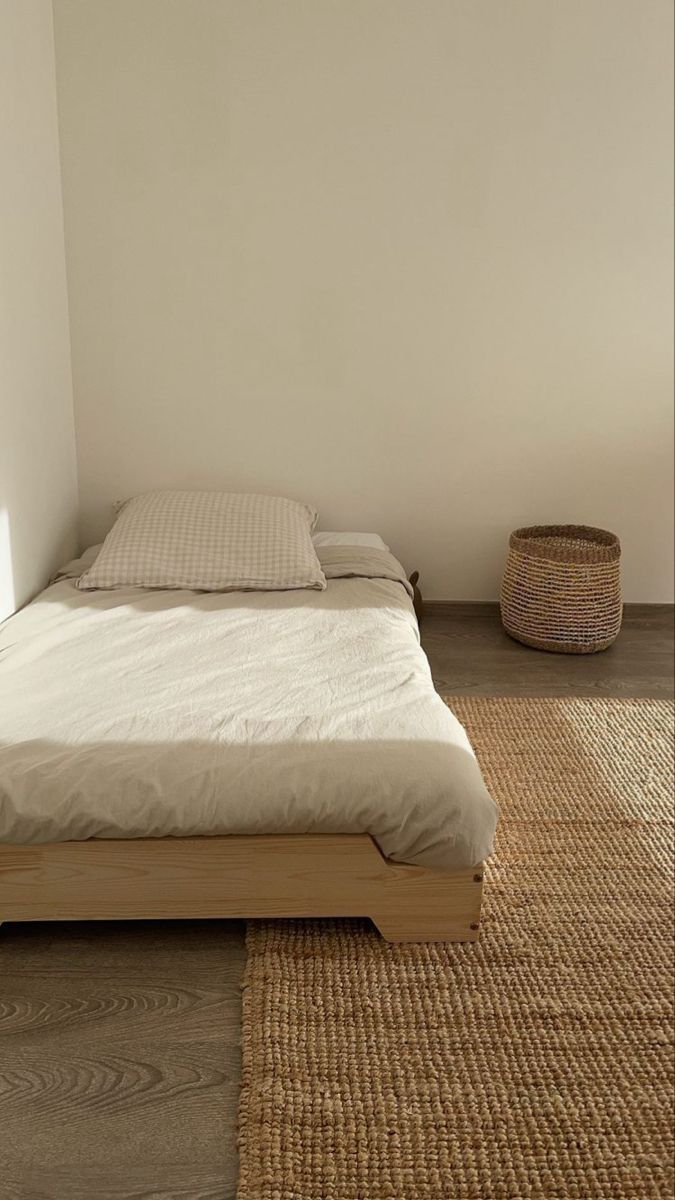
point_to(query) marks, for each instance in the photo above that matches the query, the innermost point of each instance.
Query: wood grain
(157, 1182)
(470, 654)
(120, 1059)
(293, 875)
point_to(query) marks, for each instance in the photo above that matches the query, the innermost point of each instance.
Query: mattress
(149, 713)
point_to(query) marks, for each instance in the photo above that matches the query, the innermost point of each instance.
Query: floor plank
(120, 1059)
(470, 654)
(155, 1182)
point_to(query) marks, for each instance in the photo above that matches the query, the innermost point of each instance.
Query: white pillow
(208, 541)
(350, 539)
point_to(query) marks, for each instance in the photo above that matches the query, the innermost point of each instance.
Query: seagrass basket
(562, 588)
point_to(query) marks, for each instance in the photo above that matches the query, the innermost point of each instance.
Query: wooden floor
(119, 1060)
(119, 1043)
(471, 655)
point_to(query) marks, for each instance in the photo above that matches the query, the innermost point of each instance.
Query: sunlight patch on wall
(7, 601)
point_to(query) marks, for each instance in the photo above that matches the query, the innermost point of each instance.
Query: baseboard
(490, 608)
(649, 610)
(460, 608)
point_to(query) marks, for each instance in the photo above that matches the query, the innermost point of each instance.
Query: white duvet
(136, 713)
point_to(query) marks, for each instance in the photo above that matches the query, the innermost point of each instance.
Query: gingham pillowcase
(208, 541)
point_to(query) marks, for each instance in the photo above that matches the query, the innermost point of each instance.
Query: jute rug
(534, 1063)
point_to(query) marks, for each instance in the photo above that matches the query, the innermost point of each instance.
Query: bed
(174, 753)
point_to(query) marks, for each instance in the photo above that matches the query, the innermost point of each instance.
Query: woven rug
(533, 1063)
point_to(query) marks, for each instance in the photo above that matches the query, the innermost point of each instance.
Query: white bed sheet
(148, 713)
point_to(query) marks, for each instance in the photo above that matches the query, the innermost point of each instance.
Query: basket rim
(593, 544)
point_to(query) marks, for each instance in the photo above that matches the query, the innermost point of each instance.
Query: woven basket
(562, 588)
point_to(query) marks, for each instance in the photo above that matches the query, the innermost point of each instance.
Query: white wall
(38, 487)
(407, 259)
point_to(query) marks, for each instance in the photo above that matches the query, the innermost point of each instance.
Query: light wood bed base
(304, 875)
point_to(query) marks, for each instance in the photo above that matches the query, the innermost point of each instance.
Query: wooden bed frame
(287, 875)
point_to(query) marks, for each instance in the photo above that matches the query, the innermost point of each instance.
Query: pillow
(76, 566)
(210, 542)
(350, 539)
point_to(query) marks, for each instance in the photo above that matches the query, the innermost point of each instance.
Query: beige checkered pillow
(208, 541)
